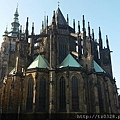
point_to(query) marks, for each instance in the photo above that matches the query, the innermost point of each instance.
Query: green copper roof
(98, 68)
(69, 61)
(12, 71)
(39, 62)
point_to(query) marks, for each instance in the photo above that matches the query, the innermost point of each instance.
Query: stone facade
(64, 73)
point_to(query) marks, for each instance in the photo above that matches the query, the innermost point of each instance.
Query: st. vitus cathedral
(60, 70)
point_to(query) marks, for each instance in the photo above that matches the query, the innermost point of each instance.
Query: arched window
(42, 94)
(29, 104)
(75, 97)
(101, 104)
(11, 102)
(62, 102)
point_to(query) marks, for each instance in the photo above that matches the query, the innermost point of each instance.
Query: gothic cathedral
(60, 70)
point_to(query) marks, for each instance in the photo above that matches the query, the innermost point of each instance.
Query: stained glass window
(101, 104)
(75, 97)
(62, 94)
(42, 94)
(29, 104)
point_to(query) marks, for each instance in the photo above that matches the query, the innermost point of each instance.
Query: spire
(100, 39)
(33, 28)
(32, 41)
(67, 19)
(78, 27)
(42, 25)
(93, 37)
(107, 42)
(16, 12)
(26, 31)
(84, 29)
(59, 18)
(89, 29)
(45, 21)
(53, 21)
(53, 16)
(83, 24)
(74, 24)
(15, 24)
(6, 32)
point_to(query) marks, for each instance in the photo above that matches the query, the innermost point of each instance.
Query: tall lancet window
(11, 96)
(62, 94)
(101, 103)
(42, 94)
(29, 104)
(75, 97)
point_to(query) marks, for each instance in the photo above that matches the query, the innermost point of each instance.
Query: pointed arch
(11, 101)
(42, 94)
(100, 95)
(75, 97)
(62, 100)
(29, 103)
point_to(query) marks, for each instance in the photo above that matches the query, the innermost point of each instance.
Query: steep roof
(69, 61)
(60, 18)
(39, 62)
(97, 67)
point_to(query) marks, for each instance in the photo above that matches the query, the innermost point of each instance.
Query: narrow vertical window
(101, 104)
(75, 97)
(42, 94)
(30, 95)
(62, 94)
(11, 96)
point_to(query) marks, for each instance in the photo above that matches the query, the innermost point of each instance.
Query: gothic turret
(15, 24)
(6, 32)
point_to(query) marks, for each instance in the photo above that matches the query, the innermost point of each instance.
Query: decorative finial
(58, 4)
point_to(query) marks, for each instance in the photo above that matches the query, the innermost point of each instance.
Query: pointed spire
(67, 19)
(60, 19)
(107, 42)
(93, 37)
(83, 24)
(100, 39)
(100, 33)
(26, 31)
(32, 41)
(89, 29)
(47, 25)
(6, 32)
(78, 27)
(53, 21)
(74, 24)
(16, 12)
(42, 25)
(47, 21)
(53, 14)
(33, 28)
(15, 24)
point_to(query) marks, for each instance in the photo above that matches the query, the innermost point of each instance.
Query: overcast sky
(100, 13)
